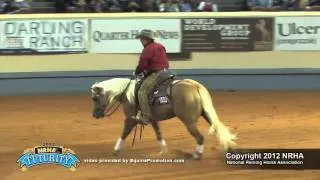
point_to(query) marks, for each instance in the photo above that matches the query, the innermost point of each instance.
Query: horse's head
(105, 93)
(99, 102)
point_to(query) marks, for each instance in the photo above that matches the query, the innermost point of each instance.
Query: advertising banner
(40, 36)
(297, 33)
(119, 36)
(227, 34)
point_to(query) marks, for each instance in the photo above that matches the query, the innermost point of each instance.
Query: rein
(117, 107)
(121, 96)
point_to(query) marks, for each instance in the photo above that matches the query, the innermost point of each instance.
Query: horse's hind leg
(161, 141)
(128, 126)
(194, 131)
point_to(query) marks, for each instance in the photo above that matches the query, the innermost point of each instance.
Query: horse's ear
(97, 90)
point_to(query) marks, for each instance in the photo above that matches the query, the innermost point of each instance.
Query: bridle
(108, 111)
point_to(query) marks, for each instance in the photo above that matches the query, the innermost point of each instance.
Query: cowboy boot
(142, 119)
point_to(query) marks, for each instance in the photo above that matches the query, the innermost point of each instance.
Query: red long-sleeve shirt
(153, 58)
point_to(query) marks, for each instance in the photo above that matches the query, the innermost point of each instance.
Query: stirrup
(140, 118)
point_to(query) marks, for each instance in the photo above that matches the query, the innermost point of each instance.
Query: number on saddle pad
(159, 95)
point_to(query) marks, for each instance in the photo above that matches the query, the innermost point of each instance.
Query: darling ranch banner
(44, 35)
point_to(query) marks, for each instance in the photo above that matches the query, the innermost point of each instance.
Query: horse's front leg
(161, 141)
(129, 124)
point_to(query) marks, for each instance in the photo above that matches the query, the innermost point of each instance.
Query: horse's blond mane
(116, 86)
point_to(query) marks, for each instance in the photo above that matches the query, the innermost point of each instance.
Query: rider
(153, 60)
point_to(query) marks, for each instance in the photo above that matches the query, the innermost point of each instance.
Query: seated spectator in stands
(61, 6)
(303, 4)
(100, 6)
(88, 6)
(124, 5)
(185, 6)
(148, 5)
(9, 7)
(270, 5)
(290, 5)
(169, 6)
(173, 6)
(113, 6)
(80, 6)
(133, 6)
(207, 6)
(162, 6)
(73, 6)
(313, 5)
(64, 6)
(97, 6)
(23, 5)
(260, 5)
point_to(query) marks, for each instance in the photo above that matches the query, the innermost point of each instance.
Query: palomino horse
(189, 101)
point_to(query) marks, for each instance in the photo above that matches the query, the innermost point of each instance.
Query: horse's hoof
(160, 153)
(196, 156)
(163, 151)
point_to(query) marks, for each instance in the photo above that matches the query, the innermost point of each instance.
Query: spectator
(313, 5)
(194, 4)
(23, 5)
(61, 6)
(185, 6)
(64, 6)
(148, 5)
(96, 6)
(207, 6)
(291, 5)
(162, 5)
(173, 6)
(133, 6)
(113, 6)
(169, 6)
(100, 6)
(303, 4)
(88, 6)
(124, 5)
(264, 5)
(80, 5)
(9, 7)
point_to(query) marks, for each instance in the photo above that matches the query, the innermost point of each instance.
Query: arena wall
(67, 73)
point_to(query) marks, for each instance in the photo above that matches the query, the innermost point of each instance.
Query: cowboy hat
(146, 33)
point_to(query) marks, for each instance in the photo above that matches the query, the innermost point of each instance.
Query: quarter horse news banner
(44, 35)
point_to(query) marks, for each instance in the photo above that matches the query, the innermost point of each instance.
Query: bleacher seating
(42, 6)
(231, 5)
(48, 6)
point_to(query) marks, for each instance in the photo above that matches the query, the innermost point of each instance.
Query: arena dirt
(261, 119)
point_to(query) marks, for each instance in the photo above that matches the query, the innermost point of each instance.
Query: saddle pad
(160, 95)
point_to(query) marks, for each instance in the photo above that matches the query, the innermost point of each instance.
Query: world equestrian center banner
(227, 34)
(40, 36)
(178, 35)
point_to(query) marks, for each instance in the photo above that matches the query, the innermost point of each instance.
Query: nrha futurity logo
(48, 154)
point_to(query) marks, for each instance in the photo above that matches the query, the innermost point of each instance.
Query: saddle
(160, 95)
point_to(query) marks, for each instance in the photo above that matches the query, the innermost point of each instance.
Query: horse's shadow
(182, 154)
(105, 150)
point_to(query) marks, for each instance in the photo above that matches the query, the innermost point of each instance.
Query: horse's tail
(224, 136)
